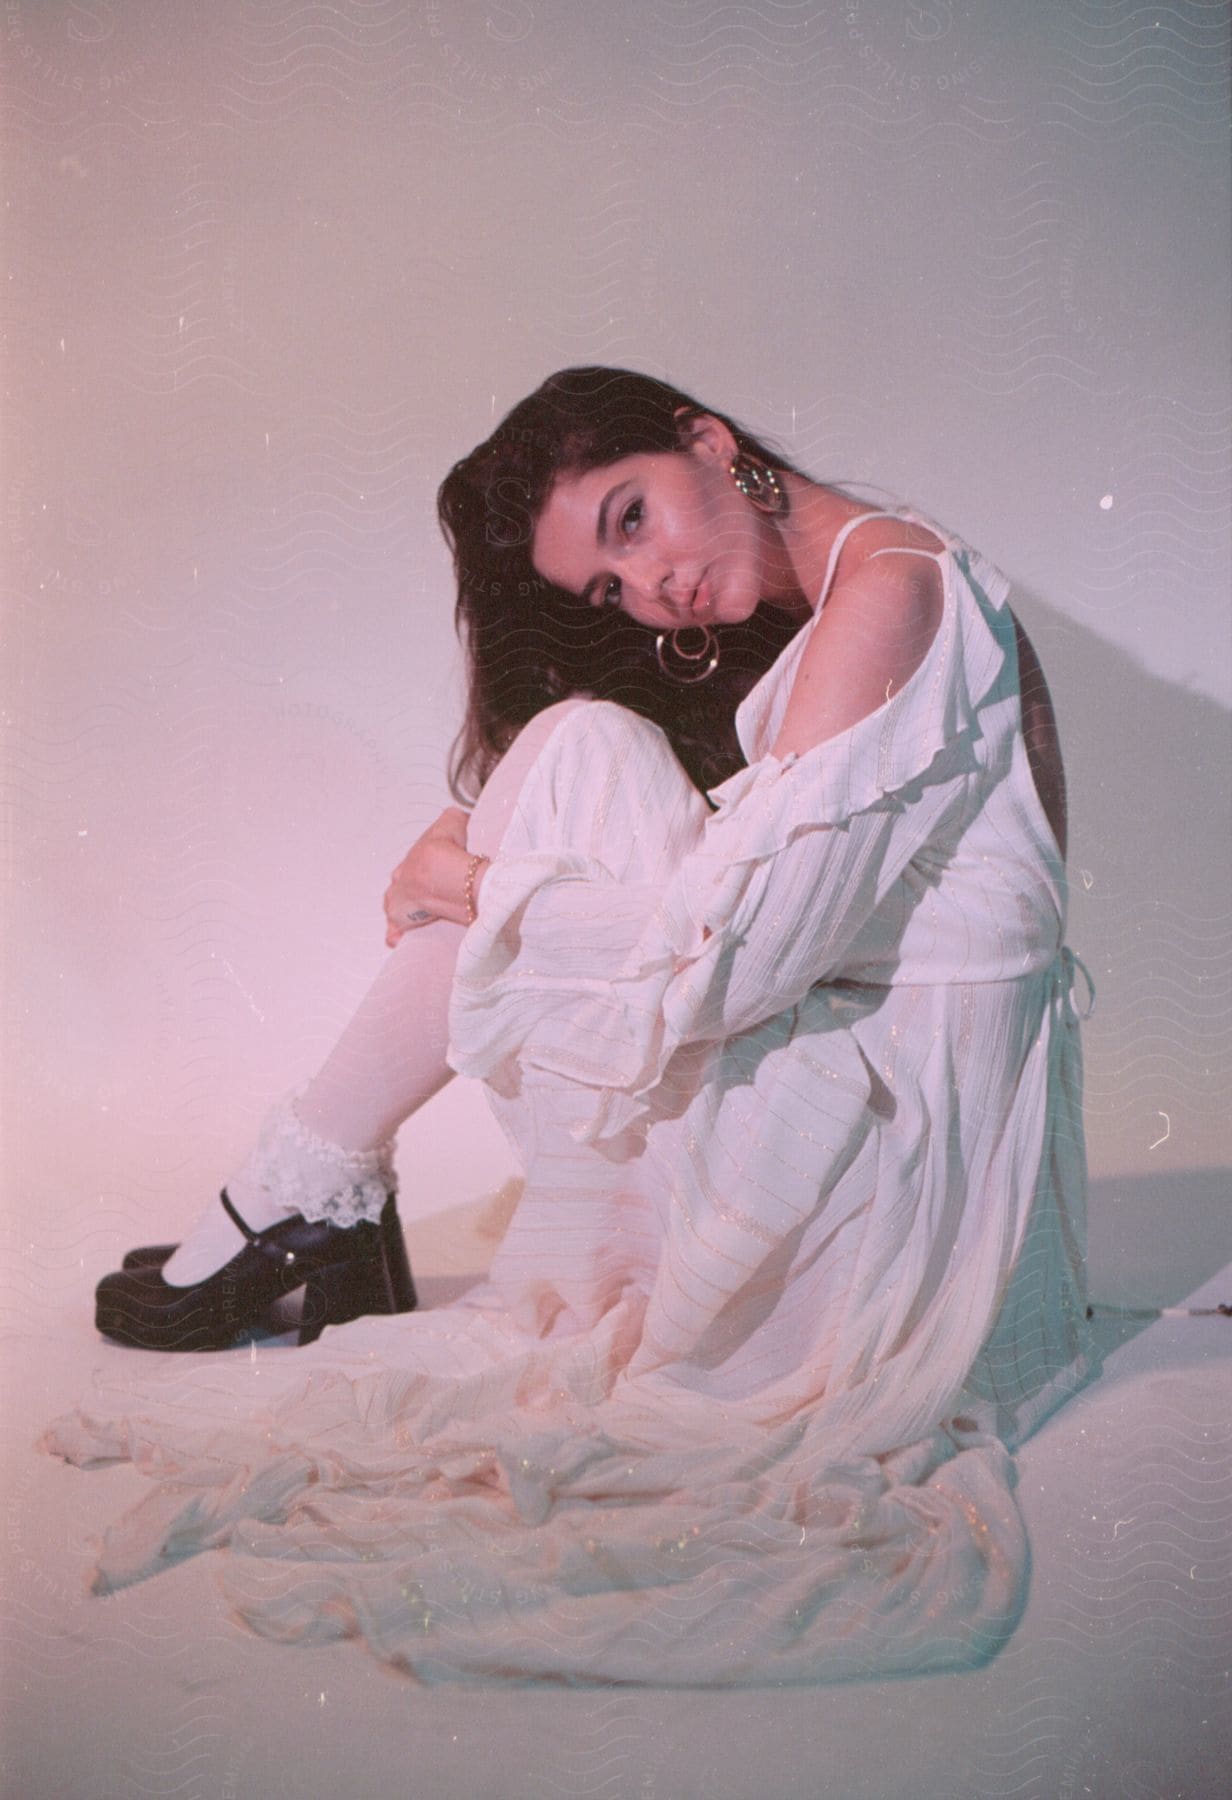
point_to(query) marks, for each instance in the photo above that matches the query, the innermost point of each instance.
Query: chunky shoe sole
(345, 1272)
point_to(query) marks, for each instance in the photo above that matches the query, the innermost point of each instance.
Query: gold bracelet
(472, 869)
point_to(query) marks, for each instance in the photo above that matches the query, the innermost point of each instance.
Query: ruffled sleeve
(574, 977)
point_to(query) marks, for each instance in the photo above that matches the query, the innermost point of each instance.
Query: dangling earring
(759, 483)
(687, 670)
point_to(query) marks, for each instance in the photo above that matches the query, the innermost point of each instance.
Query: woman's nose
(652, 577)
(657, 578)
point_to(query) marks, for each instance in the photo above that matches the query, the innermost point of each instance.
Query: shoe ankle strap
(254, 1237)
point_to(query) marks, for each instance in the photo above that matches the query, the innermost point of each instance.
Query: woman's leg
(390, 1058)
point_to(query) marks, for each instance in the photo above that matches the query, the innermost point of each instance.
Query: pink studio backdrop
(271, 267)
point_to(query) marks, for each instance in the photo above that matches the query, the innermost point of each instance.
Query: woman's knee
(534, 735)
(495, 805)
(588, 766)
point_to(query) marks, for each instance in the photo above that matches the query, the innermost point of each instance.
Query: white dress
(796, 1087)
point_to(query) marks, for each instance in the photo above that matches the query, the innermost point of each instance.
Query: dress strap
(840, 538)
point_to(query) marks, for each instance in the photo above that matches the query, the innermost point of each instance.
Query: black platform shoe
(344, 1271)
(153, 1256)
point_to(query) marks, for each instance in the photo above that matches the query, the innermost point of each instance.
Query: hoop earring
(759, 483)
(688, 671)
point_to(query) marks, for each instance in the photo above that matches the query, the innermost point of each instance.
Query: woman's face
(667, 536)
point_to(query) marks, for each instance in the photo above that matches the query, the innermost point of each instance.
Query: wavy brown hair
(529, 643)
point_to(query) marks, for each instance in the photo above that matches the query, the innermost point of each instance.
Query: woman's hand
(430, 881)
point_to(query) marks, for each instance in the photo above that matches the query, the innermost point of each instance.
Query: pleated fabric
(796, 1087)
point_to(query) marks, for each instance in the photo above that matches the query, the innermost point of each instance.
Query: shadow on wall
(1151, 1241)
(1150, 864)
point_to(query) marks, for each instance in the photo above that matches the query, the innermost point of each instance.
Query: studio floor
(1118, 1681)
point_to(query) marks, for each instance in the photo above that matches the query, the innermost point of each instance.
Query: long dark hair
(529, 643)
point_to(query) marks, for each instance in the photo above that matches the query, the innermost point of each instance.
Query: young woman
(793, 1074)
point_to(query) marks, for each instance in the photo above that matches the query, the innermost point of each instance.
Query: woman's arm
(435, 879)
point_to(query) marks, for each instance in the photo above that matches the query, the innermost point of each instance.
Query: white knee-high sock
(389, 1059)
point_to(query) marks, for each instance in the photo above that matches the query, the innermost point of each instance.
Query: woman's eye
(609, 592)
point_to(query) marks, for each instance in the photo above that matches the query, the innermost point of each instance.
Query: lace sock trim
(304, 1173)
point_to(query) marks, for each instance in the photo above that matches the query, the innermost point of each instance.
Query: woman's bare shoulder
(875, 629)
